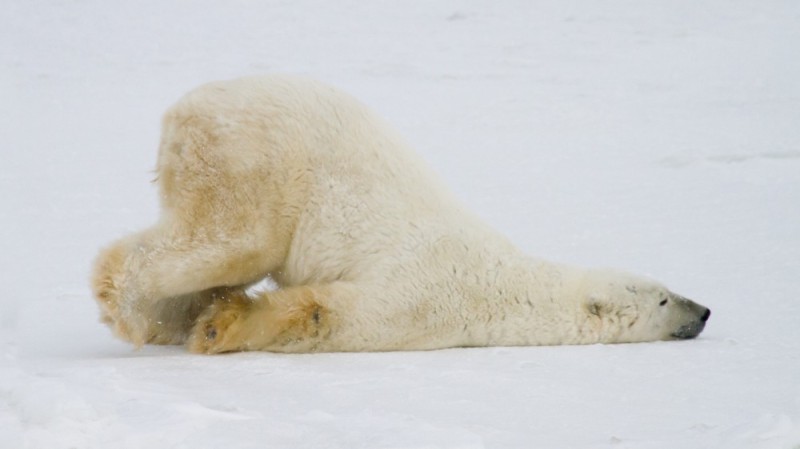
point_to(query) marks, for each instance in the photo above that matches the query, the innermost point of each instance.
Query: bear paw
(107, 282)
(220, 328)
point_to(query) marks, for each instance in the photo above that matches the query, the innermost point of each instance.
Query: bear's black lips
(690, 330)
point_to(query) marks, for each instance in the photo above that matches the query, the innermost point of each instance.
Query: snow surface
(657, 137)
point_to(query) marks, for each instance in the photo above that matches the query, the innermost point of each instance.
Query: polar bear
(289, 178)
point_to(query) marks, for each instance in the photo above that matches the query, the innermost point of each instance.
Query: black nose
(706, 315)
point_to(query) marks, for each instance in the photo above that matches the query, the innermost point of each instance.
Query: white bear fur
(289, 178)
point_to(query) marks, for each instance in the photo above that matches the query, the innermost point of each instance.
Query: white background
(661, 138)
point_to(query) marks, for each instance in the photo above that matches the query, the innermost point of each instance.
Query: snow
(656, 137)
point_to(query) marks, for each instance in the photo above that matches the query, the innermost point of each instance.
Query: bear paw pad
(220, 328)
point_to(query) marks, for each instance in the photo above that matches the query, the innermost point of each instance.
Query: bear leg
(151, 286)
(296, 319)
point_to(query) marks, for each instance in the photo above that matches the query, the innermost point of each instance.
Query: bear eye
(663, 303)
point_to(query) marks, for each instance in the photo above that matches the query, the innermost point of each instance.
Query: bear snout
(699, 315)
(688, 331)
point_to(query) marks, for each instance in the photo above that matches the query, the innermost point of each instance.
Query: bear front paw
(220, 328)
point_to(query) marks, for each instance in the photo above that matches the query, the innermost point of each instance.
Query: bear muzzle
(696, 325)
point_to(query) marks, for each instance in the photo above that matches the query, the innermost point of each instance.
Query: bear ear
(594, 307)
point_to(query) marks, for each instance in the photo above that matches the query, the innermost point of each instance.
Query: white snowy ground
(657, 137)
